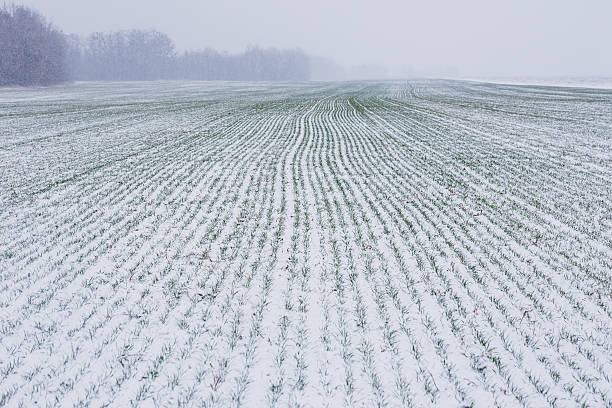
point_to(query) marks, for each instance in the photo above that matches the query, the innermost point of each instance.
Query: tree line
(34, 52)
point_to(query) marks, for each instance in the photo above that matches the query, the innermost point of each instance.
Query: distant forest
(34, 52)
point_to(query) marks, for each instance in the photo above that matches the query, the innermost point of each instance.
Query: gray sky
(473, 37)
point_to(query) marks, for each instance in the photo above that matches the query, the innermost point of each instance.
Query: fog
(473, 38)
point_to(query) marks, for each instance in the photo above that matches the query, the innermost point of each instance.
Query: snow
(422, 243)
(571, 82)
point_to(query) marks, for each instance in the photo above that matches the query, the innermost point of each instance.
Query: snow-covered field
(431, 243)
(572, 82)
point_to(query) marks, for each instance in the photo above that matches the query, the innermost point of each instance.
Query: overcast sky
(473, 37)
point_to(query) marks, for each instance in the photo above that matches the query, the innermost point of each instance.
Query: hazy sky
(474, 37)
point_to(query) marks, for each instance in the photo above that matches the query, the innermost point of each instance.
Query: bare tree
(127, 55)
(32, 51)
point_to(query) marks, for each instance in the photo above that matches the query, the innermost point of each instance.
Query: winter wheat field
(359, 244)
